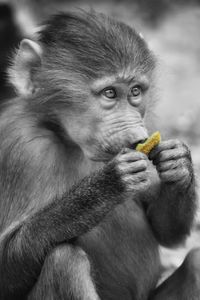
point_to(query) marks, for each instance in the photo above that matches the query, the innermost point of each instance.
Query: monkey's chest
(123, 253)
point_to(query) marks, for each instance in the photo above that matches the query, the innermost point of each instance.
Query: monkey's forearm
(171, 213)
(23, 250)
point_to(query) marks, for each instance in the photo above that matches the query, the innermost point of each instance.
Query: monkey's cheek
(96, 155)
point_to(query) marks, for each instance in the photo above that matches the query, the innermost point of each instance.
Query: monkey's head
(93, 75)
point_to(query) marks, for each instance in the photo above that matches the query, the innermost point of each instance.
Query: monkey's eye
(110, 93)
(136, 91)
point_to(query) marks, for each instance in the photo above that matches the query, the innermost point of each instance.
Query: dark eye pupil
(110, 93)
(136, 91)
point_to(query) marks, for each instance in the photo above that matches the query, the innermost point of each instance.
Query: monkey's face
(112, 117)
(103, 72)
(93, 75)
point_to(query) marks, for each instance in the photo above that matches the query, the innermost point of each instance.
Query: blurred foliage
(151, 11)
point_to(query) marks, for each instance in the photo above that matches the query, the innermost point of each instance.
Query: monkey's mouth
(115, 150)
(108, 153)
(134, 145)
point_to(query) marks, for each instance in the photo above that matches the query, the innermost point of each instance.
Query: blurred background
(172, 29)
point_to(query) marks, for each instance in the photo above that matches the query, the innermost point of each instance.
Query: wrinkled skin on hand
(171, 158)
(132, 167)
(173, 162)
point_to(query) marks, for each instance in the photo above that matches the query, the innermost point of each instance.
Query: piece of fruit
(150, 143)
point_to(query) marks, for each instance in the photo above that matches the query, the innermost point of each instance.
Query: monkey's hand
(132, 167)
(173, 162)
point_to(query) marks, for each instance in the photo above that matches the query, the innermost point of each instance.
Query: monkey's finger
(137, 185)
(141, 186)
(138, 177)
(169, 155)
(170, 165)
(132, 156)
(174, 175)
(166, 145)
(133, 167)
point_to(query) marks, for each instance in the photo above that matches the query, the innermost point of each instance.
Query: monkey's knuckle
(139, 166)
(162, 167)
(184, 149)
(126, 179)
(187, 152)
(123, 169)
(165, 176)
(148, 182)
(115, 167)
(143, 156)
(186, 165)
(185, 172)
(119, 171)
(185, 146)
(162, 164)
(116, 162)
(142, 177)
(128, 183)
(119, 166)
(162, 156)
(190, 166)
(159, 167)
(144, 164)
(117, 159)
(182, 161)
(129, 187)
(178, 143)
(145, 183)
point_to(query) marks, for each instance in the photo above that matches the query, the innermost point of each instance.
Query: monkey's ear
(21, 73)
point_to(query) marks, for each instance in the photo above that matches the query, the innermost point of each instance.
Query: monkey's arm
(34, 217)
(25, 244)
(171, 211)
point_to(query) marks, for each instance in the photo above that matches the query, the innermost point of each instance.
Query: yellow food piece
(150, 143)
